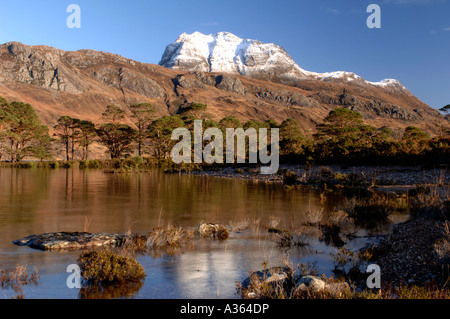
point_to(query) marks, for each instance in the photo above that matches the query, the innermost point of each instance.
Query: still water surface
(35, 201)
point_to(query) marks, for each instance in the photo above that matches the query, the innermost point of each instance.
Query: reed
(169, 236)
(244, 224)
(427, 203)
(87, 223)
(286, 239)
(313, 217)
(272, 222)
(16, 278)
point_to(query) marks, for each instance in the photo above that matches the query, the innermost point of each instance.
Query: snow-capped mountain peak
(225, 52)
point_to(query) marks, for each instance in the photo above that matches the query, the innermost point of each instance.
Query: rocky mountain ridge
(227, 53)
(80, 84)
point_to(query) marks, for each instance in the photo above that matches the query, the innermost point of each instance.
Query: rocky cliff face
(38, 67)
(81, 84)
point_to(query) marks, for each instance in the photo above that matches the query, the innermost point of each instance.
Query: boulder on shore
(272, 276)
(310, 283)
(280, 281)
(70, 241)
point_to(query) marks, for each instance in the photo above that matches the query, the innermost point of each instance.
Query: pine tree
(143, 115)
(22, 129)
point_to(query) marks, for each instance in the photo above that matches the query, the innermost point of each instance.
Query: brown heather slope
(80, 84)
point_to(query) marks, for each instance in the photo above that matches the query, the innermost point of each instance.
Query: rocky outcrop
(70, 241)
(202, 81)
(287, 98)
(40, 67)
(140, 84)
(229, 83)
(187, 82)
(392, 111)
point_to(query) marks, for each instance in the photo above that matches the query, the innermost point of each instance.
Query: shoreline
(407, 254)
(380, 175)
(409, 257)
(393, 177)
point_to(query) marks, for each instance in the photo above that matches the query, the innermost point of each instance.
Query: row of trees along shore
(342, 138)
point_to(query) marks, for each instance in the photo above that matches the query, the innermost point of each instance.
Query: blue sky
(412, 46)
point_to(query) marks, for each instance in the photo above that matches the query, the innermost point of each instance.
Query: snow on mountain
(227, 53)
(352, 77)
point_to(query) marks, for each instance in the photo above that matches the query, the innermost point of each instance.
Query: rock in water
(213, 231)
(70, 241)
